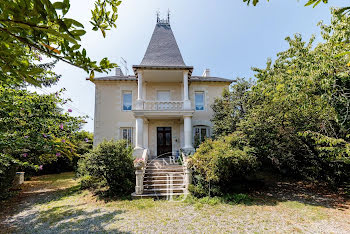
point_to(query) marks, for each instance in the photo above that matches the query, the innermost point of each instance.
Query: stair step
(164, 185)
(162, 177)
(163, 182)
(162, 166)
(164, 190)
(150, 195)
(163, 170)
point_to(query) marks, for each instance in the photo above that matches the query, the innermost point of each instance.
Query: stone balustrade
(163, 105)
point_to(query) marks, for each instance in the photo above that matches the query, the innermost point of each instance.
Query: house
(162, 107)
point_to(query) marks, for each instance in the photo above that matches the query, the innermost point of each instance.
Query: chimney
(206, 72)
(118, 72)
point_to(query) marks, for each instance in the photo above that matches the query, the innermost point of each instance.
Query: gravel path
(48, 206)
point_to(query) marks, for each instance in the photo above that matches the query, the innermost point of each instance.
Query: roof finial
(168, 16)
(163, 21)
(158, 13)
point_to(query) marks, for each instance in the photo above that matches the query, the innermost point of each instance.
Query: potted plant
(139, 163)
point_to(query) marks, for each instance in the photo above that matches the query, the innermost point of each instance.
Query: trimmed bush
(220, 163)
(109, 164)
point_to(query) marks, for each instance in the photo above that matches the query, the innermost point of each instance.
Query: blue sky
(226, 36)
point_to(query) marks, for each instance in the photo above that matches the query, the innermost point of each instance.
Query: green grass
(73, 209)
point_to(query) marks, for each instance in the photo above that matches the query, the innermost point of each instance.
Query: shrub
(8, 168)
(81, 142)
(110, 164)
(217, 164)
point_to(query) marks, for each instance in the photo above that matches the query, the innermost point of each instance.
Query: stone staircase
(163, 178)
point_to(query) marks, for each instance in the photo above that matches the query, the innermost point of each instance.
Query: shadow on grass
(270, 191)
(302, 192)
(70, 219)
(55, 218)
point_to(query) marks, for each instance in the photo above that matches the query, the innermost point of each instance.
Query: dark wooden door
(164, 143)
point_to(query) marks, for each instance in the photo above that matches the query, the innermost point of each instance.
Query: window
(127, 100)
(200, 134)
(127, 134)
(199, 100)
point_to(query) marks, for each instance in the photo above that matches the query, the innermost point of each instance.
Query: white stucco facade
(162, 107)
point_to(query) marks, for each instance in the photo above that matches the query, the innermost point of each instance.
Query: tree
(298, 115)
(310, 2)
(33, 129)
(230, 108)
(32, 28)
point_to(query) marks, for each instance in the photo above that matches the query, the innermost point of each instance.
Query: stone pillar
(187, 103)
(139, 101)
(139, 86)
(139, 182)
(188, 179)
(145, 134)
(188, 132)
(139, 133)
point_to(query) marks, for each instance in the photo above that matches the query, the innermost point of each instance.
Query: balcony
(163, 105)
(161, 109)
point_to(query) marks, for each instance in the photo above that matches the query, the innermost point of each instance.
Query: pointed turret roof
(163, 49)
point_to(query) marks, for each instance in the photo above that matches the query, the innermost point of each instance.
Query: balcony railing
(163, 105)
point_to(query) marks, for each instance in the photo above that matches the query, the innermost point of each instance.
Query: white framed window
(126, 134)
(199, 100)
(127, 100)
(200, 133)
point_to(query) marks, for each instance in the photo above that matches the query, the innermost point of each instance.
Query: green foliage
(231, 198)
(83, 141)
(8, 166)
(297, 114)
(222, 161)
(237, 198)
(309, 3)
(33, 129)
(230, 108)
(111, 164)
(31, 28)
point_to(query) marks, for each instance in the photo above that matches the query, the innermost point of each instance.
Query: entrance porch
(163, 137)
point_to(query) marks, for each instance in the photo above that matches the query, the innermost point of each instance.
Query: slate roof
(162, 49)
(117, 78)
(209, 79)
(192, 79)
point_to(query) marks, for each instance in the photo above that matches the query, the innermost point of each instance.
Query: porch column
(139, 101)
(188, 132)
(187, 103)
(139, 133)
(145, 133)
(139, 86)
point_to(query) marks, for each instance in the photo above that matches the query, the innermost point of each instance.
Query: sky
(226, 36)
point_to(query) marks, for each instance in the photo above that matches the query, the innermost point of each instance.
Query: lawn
(55, 204)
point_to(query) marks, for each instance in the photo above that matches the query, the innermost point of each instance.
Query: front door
(164, 144)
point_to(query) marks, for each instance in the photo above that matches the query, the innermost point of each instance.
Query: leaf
(58, 5)
(51, 48)
(73, 21)
(92, 74)
(78, 32)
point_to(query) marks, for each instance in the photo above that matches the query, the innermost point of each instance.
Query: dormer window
(199, 100)
(127, 100)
